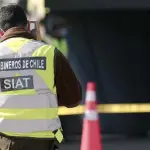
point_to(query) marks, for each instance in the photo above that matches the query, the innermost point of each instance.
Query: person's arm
(69, 90)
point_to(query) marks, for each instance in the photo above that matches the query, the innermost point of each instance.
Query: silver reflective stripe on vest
(27, 126)
(28, 101)
(43, 99)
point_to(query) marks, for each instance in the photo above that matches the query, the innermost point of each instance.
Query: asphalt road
(113, 144)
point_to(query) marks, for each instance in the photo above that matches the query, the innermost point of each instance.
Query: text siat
(16, 83)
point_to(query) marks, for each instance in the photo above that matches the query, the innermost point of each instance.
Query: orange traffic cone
(91, 139)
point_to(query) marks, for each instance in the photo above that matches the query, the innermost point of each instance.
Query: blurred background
(108, 42)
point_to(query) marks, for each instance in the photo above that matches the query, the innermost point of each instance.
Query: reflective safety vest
(61, 44)
(28, 101)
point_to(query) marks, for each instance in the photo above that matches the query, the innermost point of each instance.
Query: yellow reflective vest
(61, 44)
(28, 98)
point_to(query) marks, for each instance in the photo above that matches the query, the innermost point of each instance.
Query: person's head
(12, 15)
(59, 30)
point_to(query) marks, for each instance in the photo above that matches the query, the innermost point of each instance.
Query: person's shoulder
(38, 42)
(58, 53)
(60, 59)
(41, 43)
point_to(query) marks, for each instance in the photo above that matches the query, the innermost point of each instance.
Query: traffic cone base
(90, 140)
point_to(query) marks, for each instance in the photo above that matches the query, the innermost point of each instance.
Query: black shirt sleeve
(69, 90)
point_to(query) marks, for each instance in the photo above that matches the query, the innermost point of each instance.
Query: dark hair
(12, 15)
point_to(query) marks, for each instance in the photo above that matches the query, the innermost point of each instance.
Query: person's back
(35, 79)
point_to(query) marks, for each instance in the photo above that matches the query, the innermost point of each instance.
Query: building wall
(97, 4)
(112, 49)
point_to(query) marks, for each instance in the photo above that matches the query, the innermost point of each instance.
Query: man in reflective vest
(35, 79)
(57, 36)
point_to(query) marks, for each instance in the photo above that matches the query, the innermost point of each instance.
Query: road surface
(114, 144)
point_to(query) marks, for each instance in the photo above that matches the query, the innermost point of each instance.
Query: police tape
(108, 108)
